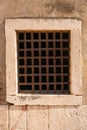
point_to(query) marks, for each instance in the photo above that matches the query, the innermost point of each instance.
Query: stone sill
(22, 99)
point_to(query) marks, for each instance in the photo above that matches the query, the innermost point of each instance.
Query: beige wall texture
(44, 117)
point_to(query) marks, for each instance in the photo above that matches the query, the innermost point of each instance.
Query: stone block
(63, 118)
(82, 112)
(3, 117)
(17, 118)
(37, 118)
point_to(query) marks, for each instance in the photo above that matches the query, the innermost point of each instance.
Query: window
(43, 61)
(47, 68)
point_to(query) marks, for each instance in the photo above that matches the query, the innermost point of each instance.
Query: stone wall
(42, 117)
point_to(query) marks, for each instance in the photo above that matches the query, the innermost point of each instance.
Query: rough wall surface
(42, 117)
(41, 9)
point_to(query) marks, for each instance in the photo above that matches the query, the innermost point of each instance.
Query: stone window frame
(12, 95)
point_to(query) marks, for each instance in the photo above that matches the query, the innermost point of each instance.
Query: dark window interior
(43, 62)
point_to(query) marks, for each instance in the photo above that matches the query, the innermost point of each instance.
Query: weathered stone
(17, 118)
(3, 117)
(43, 9)
(2, 64)
(82, 112)
(37, 118)
(56, 117)
(63, 118)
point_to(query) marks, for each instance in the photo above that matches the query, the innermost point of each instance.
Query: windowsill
(22, 99)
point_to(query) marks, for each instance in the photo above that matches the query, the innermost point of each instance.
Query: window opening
(43, 61)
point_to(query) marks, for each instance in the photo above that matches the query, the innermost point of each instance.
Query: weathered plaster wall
(42, 117)
(41, 9)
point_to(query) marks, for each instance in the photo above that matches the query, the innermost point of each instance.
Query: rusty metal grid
(43, 61)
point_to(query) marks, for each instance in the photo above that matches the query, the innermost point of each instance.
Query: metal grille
(43, 61)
